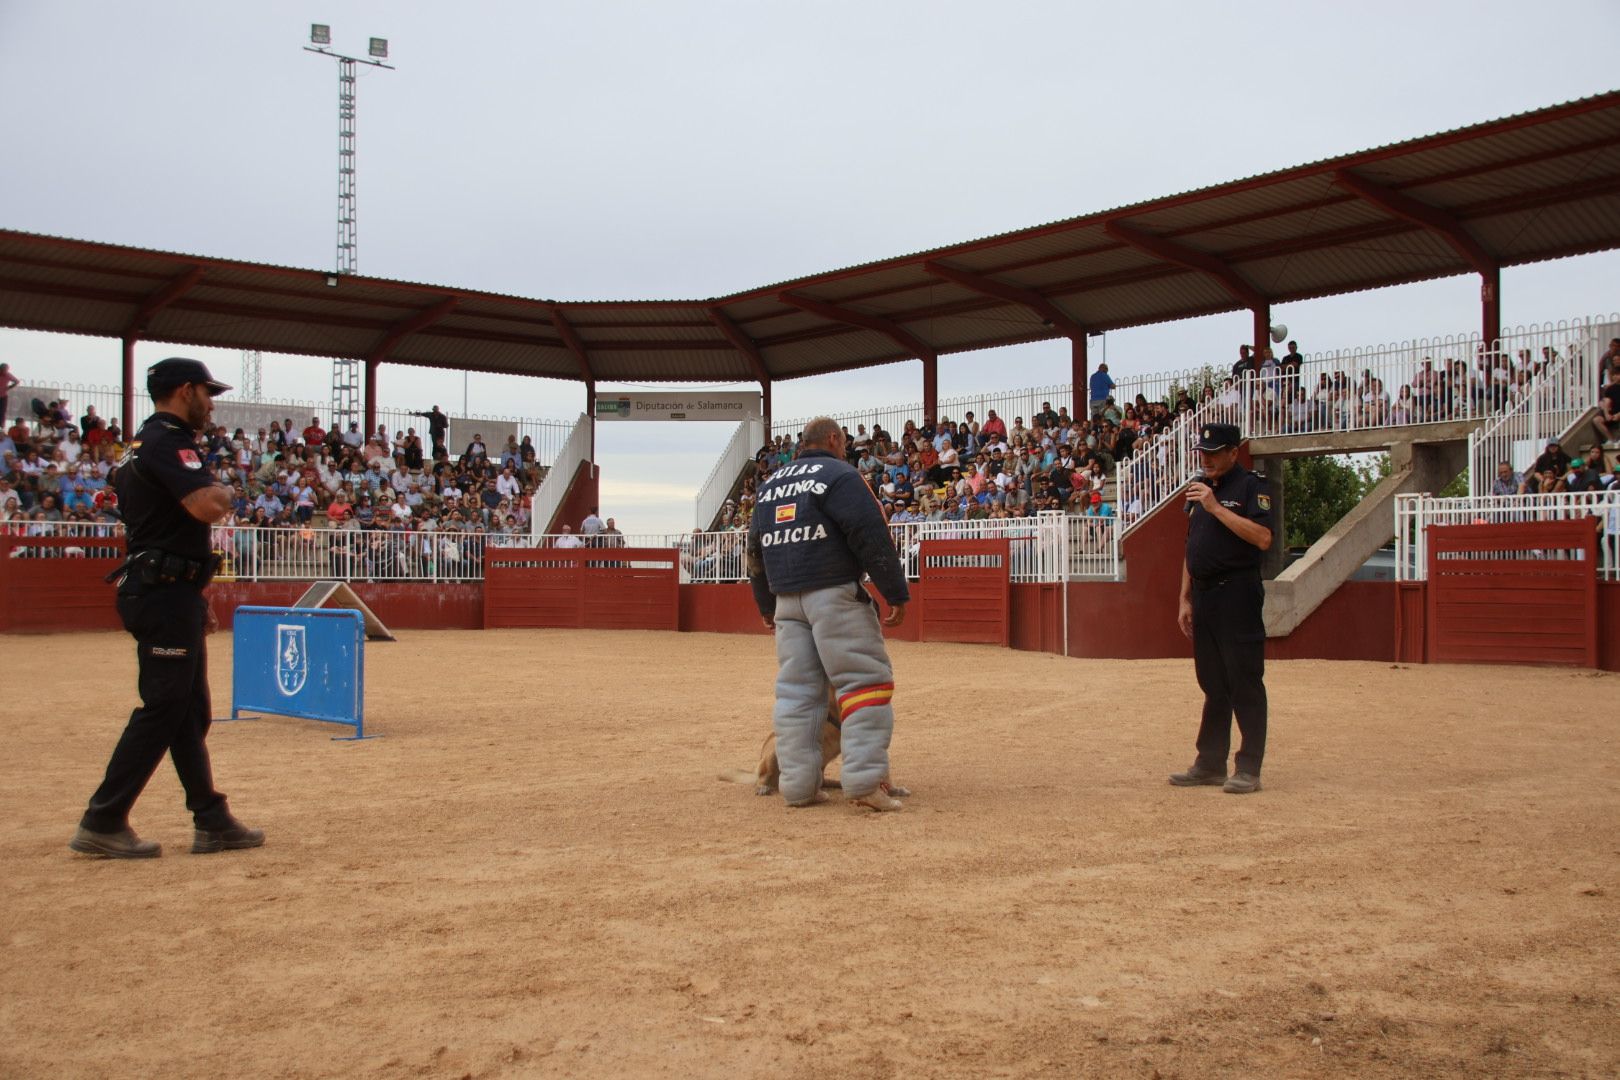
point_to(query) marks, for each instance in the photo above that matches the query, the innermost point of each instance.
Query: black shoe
(123, 844)
(233, 837)
(1197, 776)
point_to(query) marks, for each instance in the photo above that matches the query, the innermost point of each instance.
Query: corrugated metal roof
(1529, 187)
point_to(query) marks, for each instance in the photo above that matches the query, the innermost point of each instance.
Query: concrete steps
(1301, 588)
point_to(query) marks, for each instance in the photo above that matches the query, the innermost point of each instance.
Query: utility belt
(1215, 582)
(157, 567)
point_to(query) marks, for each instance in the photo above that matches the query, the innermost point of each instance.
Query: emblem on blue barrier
(292, 660)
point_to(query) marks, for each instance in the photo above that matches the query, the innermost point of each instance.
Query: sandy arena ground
(536, 873)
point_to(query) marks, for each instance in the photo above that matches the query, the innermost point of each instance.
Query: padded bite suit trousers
(831, 636)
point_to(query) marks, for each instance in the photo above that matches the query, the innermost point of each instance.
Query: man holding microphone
(1221, 610)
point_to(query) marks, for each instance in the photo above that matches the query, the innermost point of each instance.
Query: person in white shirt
(509, 485)
(567, 539)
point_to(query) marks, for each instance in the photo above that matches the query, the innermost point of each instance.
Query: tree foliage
(1318, 491)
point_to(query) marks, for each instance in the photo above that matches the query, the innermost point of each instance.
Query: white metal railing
(303, 553)
(100, 539)
(1052, 547)
(1415, 513)
(548, 498)
(1428, 380)
(1419, 381)
(1008, 404)
(1160, 466)
(739, 452)
(547, 436)
(1555, 398)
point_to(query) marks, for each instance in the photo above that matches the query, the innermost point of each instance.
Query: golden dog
(768, 775)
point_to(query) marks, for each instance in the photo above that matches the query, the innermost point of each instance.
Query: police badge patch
(1264, 501)
(190, 460)
(292, 662)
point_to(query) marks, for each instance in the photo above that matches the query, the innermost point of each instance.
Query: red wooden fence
(967, 590)
(1521, 593)
(582, 588)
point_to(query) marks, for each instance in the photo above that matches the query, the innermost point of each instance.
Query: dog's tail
(738, 776)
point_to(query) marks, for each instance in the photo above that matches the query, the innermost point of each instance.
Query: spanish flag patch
(867, 696)
(786, 512)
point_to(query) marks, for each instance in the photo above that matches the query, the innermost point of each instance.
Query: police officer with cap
(169, 500)
(1222, 597)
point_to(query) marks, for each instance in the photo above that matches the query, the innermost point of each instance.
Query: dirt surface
(536, 873)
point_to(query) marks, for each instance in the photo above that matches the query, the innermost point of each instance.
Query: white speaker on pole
(1279, 333)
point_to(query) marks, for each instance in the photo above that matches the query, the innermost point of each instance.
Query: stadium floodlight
(320, 34)
(379, 48)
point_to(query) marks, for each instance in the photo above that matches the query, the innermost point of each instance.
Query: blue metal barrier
(300, 662)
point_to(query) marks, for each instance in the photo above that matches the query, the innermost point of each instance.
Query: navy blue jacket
(816, 525)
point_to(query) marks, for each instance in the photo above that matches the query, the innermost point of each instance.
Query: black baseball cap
(1218, 437)
(178, 371)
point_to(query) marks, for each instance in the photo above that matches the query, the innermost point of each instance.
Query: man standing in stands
(1222, 597)
(169, 502)
(7, 381)
(815, 533)
(1102, 387)
(438, 427)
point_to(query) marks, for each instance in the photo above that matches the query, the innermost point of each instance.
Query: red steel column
(1490, 298)
(1262, 329)
(1080, 406)
(930, 389)
(372, 365)
(130, 418)
(765, 402)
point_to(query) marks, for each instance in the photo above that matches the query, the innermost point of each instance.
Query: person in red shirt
(993, 425)
(314, 433)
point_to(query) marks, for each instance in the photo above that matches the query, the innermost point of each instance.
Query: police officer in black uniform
(1222, 598)
(168, 500)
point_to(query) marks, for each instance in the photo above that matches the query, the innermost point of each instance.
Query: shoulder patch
(189, 459)
(1264, 501)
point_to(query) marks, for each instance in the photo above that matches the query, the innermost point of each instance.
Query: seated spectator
(1607, 421)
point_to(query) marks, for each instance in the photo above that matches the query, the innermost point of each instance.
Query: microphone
(1197, 478)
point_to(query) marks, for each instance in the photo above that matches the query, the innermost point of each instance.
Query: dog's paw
(764, 789)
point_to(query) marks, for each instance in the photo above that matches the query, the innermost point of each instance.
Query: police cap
(1218, 437)
(177, 371)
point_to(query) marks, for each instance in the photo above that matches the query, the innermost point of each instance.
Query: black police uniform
(1229, 630)
(161, 602)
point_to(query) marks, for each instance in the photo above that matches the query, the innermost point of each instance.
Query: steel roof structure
(1538, 185)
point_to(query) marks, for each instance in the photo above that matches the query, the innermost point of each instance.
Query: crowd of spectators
(406, 503)
(1282, 400)
(54, 467)
(972, 469)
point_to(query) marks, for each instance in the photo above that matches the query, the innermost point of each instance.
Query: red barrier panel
(582, 588)
(967, 585)
(1518, 593)
(53, 584)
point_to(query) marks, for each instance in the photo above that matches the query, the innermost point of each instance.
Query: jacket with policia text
(816, 524)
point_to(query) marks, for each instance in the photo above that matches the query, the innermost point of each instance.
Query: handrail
(1556, 398)
(745, 441)
(548, 498)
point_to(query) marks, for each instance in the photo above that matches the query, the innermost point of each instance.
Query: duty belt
(156, 567)
(1205, 584)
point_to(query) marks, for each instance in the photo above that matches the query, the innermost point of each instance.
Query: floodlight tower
(346, 404)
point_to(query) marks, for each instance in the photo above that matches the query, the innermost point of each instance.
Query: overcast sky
(690, 149)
